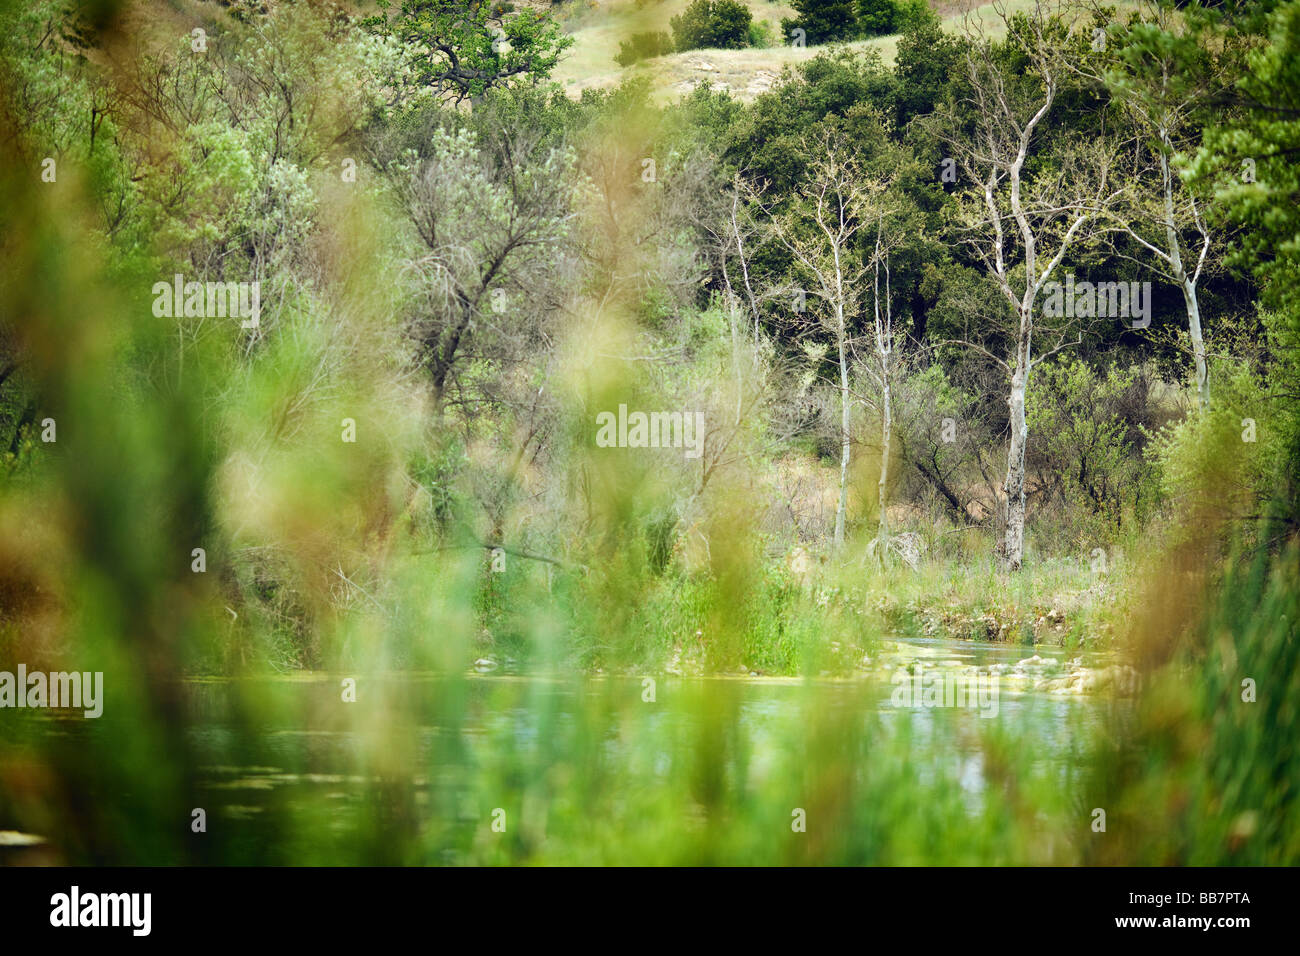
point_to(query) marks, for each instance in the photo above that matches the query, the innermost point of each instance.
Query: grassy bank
(787, 621)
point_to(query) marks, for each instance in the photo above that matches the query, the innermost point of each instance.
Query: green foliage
(463, 48)
(823, 21)
(18, 458)
(913, 15)
(771, 139)
(876, 17)
(369, 557)
(712, 25)
(1211, 745)
(1247, 158)
(643, 46)
(1087, 429)
(762, 34)
(1229, 458)
(926, 60)
(832, 21)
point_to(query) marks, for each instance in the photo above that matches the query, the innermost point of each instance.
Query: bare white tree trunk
(1006, 218)
(833, 200)
(740, 253)
(1198, 342)
(884, 320)
(886, 439)
(1160, 98)
(1187, 283)
(1013, 543)
(842, 507)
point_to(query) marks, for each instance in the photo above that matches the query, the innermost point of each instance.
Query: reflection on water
(325, 762)
(608, 769)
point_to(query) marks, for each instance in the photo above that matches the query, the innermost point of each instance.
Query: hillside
(598, 27)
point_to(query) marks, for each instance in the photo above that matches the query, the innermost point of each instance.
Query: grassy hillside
(598, 26)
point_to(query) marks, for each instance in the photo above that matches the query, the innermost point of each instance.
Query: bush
(761, 35)
(713, 25)
(881, 17)
(1220, 462)
(1085, 435)
(643, 46)
(823, 21)
(876, 17)
(830, 21)
(923, 65)
(912, 15)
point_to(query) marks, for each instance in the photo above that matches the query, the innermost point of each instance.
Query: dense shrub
(876, 17)
(823, 21)
(643, 46)
(924, 64)
(913, 14)
(762, 34)
(712, 25)
(831, 21)
(1086, 454)
(1222, 461)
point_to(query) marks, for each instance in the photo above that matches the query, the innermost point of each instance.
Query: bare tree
(884, 372)
(1160, 76)
(740, 229)
(819, 230)
(1019, 225)
(882, 366)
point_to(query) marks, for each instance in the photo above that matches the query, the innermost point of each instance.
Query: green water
(504, 768)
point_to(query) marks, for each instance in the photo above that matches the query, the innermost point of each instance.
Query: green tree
(823, 21)
(492, 220)
(712, 25)
(876, 17)
(1249, 159)
(643, 46)
(925, 63)
(462, 48)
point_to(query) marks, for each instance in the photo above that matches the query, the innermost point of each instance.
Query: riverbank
(789, 621)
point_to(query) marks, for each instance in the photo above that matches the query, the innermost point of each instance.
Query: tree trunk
(1198, 342)
(1185, 281)
(842, 507)
(920, 316)
(886, 437)
(1013, 544)
(443, 355)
